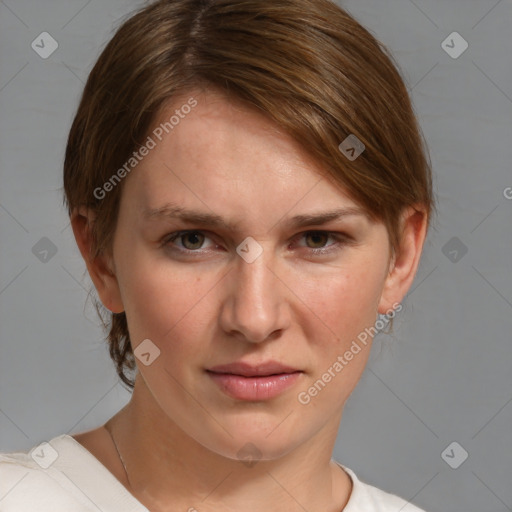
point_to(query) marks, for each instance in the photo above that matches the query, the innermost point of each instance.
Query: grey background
(443, 376)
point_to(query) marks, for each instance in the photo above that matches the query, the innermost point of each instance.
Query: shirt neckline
(117, 494)
(99, 482)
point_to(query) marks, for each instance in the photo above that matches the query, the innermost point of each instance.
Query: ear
(101, 268)
(404, 263)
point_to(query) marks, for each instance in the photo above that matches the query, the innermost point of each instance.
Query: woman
(215, 145)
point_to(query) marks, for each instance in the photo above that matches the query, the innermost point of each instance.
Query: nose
(255, 306)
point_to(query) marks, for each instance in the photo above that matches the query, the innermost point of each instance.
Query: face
(218, 259)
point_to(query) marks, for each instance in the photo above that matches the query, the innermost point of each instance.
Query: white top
(63, 476)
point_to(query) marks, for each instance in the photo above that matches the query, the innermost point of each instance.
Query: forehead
(224, 156)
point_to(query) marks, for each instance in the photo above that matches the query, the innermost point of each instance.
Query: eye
(317, 241)
(318, 238)
(190, 240)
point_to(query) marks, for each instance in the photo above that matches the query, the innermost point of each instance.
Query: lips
(254, 382)
(253, 370)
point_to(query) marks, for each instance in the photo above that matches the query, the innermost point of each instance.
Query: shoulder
(372, 499)
(14, 467)
(28, 483)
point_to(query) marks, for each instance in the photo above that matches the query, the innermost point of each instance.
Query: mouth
(265, 369)
(260, 382)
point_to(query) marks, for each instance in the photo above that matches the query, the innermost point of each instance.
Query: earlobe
(101, 267)
(405, 262)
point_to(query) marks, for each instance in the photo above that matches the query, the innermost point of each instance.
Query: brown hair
(306, 64)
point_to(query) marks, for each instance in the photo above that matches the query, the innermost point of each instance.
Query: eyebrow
(171, 211)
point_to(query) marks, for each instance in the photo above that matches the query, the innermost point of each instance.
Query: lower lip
(254, 388)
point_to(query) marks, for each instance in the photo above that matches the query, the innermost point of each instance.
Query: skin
(179, 434)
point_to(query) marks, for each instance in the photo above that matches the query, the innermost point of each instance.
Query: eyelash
(341, 239)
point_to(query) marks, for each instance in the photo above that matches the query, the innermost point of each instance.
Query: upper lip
(253, 370)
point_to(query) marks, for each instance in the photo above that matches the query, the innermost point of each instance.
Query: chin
(251, 444)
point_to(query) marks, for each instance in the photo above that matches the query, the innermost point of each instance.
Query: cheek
(338, 312)
(342, 302)
(168, 303)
